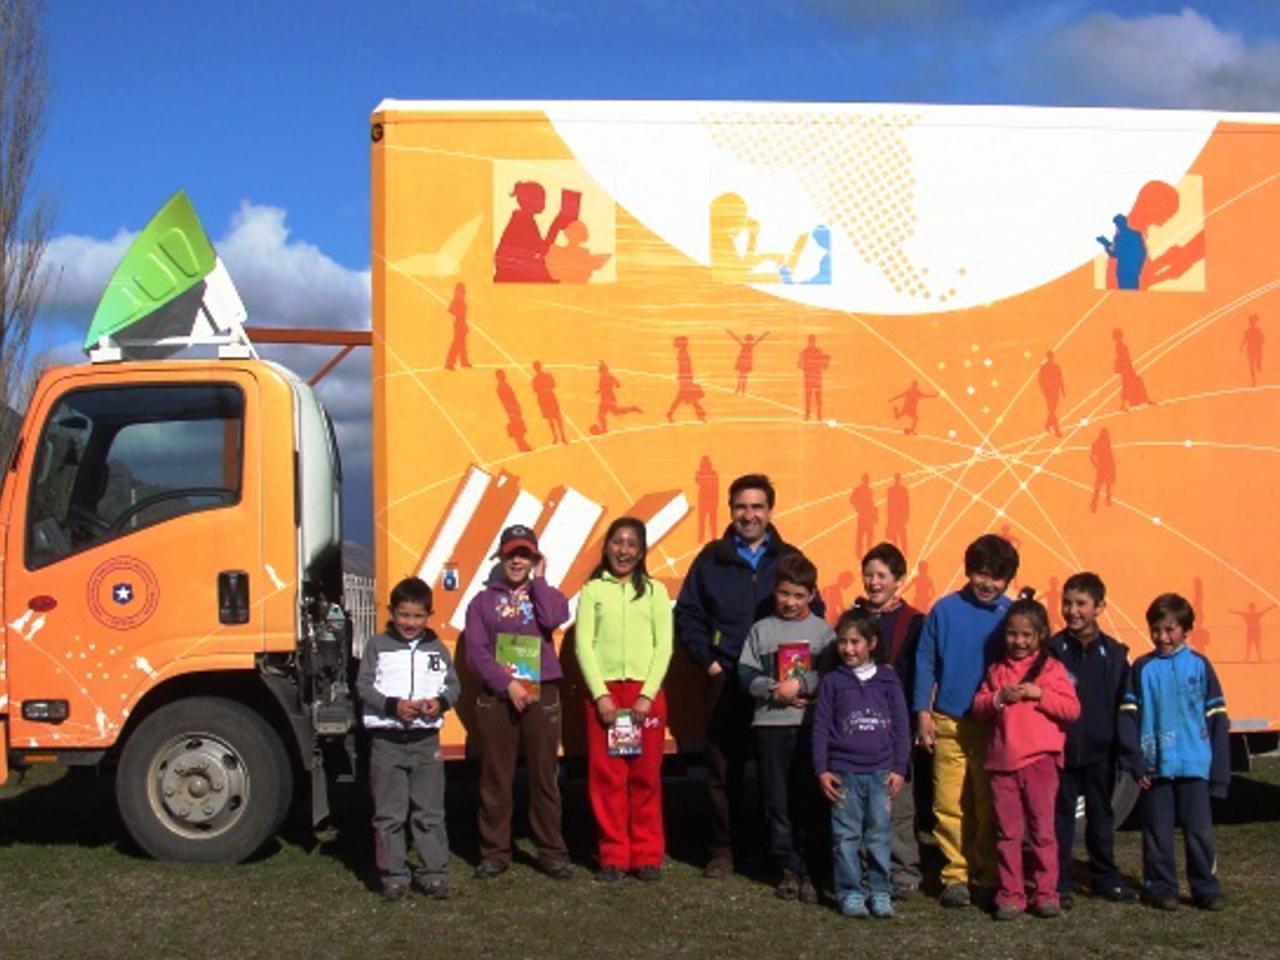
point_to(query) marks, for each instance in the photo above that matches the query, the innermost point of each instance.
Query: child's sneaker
(808, 892)
(854, 905)
(1046, 909)
(1213, 902)
(881, 906)
(788, 887)
(1007, 911)
(955, 895)
(394, 891)
(435, 889)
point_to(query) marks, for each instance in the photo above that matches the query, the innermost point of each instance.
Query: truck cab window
(115, 460)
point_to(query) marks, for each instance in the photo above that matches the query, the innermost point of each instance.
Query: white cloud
(283, 281)
(1178, 59)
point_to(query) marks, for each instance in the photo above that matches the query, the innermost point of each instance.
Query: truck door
(133, 548)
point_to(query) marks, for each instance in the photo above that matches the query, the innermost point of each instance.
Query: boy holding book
(778, 669)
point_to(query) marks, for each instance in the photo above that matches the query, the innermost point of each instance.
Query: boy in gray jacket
(779, 670)
(406, 684)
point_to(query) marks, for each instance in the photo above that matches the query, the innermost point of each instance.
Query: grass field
(70, 885)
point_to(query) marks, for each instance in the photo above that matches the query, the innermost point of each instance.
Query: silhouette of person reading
(1133, 392)
(813, 361)
(922, 599)
(544, 388)
(821, 237)
(863, 500)
(1054, 390)
(687, 392)
(897, 508)
(1156, 204)
(708, 483)
(516, 428)
(1251, 346)
(1129, 251)
(1104, 468)
(746, 356)
(607, 389)
(521, 253)
(572, 262)
(910, 408)
(458, 346)
(734, 257)
(1252, 617)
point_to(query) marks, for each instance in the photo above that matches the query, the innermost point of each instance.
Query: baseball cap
(516, 537)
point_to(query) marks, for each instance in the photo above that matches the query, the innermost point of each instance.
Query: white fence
(362, 605)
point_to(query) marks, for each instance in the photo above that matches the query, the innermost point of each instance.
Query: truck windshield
(117, 459)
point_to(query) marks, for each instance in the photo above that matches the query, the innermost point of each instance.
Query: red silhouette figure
(1052, 601)
(746, 356)
(458, 347)
(521, 255)
(863, 500)
(922, 599)
(544, 388)
(833, 595)
(910, 398)
(1253, 628)
(708, 484)
(1199, 638)
(686, 390)
(813, 361)
(607, 389)
(516, 428)
(1053, 388)
(897, 508)
(1104, 467)
(1251, 345)
(1133, 392)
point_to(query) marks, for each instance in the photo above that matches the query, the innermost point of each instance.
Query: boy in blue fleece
(1173, 728)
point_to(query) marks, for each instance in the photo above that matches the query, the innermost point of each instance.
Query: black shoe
(556, 869)
(1117, 894)
(609, 875)
(955, 895)
(719, 868)
(434, 889)
(488, 869)
(1162, 901)
(808, 893)
(649, 874)
(788, 887)
(1213, 902)
(1066, 900)
(904, 891)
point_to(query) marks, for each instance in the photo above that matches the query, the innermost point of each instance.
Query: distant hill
(357, 558)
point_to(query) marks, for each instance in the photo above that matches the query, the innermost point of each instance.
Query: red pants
(1024, 801)
(626, 792)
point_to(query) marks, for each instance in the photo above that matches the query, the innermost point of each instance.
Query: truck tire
(1124, 799)
(203, 780)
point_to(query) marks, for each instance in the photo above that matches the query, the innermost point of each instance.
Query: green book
(521, 656)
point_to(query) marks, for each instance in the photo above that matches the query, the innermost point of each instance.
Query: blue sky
(260, 109)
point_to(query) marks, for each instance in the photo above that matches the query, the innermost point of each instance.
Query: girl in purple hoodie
(860, 752)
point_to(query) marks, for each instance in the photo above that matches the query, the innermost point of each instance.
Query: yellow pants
(965, 828)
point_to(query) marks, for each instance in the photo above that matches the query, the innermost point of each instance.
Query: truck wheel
(203, 780)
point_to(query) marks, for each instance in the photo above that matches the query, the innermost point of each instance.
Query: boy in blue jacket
(1173, 727)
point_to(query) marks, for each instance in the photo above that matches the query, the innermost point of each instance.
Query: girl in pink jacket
(1029, 699)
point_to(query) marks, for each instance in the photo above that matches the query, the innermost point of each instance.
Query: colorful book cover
(521, 656)
(625, 735)
(793, 661)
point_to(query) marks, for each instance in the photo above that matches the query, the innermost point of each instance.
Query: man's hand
(714, 669)
(925, 733)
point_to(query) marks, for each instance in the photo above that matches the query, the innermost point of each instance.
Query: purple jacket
(532, 608)
(861, 727)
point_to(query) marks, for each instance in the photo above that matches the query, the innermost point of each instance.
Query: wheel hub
(198, 785)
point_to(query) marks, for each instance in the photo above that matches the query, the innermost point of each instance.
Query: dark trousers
(503, 732)
(1170, 802)
(784, 759)
(729, 712)
(408, 783)
(1096, 781)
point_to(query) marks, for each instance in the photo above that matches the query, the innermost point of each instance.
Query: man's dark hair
(991, 554)
(753, 481)
(890, 556)
(1171, 605)
(411, 590)
(1087, 582)
(798, 569)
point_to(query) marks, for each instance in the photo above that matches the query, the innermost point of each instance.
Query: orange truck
(924, 323)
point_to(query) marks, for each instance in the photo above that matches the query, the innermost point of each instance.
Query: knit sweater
(620, 637)
(1025, 731)
(960, 639)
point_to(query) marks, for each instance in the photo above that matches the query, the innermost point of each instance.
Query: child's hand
(1010, 693)
(786, 691)
(1144, 783)
(406, 711)
(894, 784)
(831, 786)
(607, 710)
(518, 695)
(640, 708)
(429, 708)
(1030, 691)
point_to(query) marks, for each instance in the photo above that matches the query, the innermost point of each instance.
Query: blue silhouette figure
(1128, 249)
(821, 235)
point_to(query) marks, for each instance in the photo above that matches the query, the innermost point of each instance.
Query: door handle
(233, 596)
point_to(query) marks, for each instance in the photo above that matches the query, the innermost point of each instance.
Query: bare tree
(24, 222)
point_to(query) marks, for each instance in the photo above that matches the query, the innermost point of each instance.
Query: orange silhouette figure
(1156, 204)
(573, 262)
(607, 389)
(746, 357)
(521, 253)
(1133, 392)
(1251, 345)
(922, 598)
(687, 392)
(1252, 617)
(1054, 390)
(863, 499)
(708, 484)
(1199, 638)
(897, 507)
(544, 388)
(1052, 600)
(1104, 466)
(516, 428)
(910, 398)
(458, 346)
(813, 361)
(833, 595)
